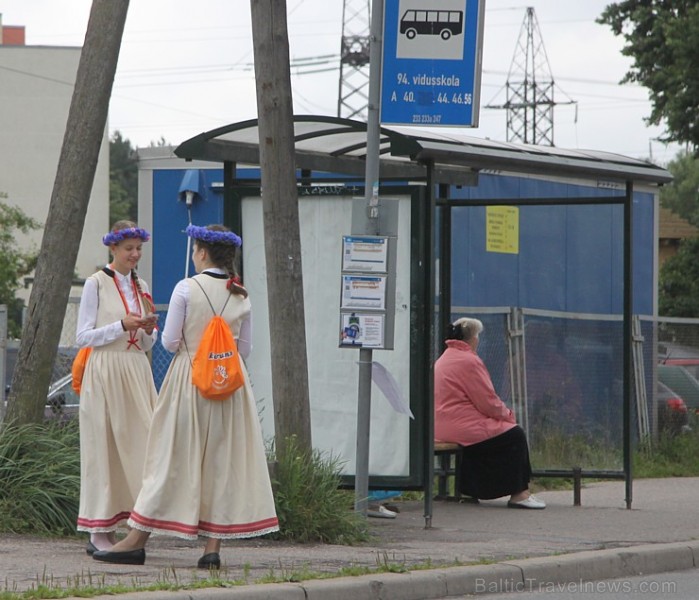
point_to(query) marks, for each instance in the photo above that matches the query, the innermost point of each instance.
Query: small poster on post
(361, 330)
(364, 253)
(363, 291)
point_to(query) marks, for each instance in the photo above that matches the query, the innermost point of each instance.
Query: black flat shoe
(468, 500)
(129, 557)
(209, 561)
(90, 548)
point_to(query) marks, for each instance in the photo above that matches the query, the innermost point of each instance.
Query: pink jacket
(466, 408)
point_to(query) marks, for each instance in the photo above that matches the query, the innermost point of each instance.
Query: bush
(40, 475)
(310, 505)
(40, 489)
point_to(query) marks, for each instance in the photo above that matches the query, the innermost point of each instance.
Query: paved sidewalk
(493, 546)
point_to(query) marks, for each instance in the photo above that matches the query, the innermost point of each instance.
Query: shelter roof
(337, 145)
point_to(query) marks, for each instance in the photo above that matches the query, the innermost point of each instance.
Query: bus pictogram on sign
(443, 23)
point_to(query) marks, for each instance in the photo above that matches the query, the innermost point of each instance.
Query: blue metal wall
(570, 257)
(170, 219)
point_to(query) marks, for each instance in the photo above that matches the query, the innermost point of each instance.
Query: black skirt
(496, 467)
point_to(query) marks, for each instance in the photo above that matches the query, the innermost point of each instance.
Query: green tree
(682, 195)
(123, 179)
(14, 262)
(662, 38)
(679, 282)
(75, 175)
(161, 143)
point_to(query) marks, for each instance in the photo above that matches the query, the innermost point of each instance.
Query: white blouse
(87, 334)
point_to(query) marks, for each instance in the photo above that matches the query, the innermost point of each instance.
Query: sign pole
(370, 226)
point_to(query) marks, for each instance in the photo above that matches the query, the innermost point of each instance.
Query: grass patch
(669, 456)
(40, 475)
(89, 586)
(554, 449)
(666, 456)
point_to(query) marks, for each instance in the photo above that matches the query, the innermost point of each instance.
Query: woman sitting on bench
(468, 412)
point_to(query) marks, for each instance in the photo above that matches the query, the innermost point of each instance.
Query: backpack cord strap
(209, 301)
(212, 310)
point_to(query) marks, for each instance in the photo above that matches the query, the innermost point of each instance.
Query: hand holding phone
(149, 321)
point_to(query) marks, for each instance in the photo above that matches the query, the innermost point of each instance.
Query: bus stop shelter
(436, 163)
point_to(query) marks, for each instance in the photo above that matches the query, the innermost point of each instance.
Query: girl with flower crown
(116, 319)
(206, 469)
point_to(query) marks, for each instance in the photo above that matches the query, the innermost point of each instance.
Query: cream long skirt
(206, 468)
(116, 407)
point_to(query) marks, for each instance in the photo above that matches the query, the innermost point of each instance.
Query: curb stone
(442, 583)
(608, 564)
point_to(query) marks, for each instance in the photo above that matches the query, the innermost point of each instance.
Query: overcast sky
(186, 67)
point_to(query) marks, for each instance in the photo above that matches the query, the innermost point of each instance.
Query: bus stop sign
(431, 62)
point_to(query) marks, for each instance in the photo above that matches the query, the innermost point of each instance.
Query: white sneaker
(381, 513)
(531, 502)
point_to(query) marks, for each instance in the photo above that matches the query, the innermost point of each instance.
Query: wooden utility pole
(64, 225)
(292, 413)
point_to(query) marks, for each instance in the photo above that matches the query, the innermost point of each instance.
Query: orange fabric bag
(216, 367)
(78, 369)
(216, 370)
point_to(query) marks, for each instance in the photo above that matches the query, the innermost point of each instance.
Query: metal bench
(447, 466)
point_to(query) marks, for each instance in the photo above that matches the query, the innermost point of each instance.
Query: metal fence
(67, 349)
(562, 373)
(160, 358)
(671, 362)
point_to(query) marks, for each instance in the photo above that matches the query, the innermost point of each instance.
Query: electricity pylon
(353, 97)
(530, 88)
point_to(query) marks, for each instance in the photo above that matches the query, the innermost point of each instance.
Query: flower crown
(114, 237)
(213, 237)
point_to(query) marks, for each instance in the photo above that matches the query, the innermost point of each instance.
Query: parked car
(62, 403)
(670, 353)
(673, 417)
(680, 380)
(61, 400)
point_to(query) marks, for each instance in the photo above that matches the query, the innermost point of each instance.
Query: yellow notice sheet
(502, 229)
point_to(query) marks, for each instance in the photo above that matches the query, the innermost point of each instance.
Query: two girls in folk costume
(206, 468)
(116, 319)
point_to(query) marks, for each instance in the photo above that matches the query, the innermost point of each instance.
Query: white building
(36, 87)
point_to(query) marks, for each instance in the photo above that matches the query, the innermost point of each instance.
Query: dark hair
(454, 332)
(224, 256)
